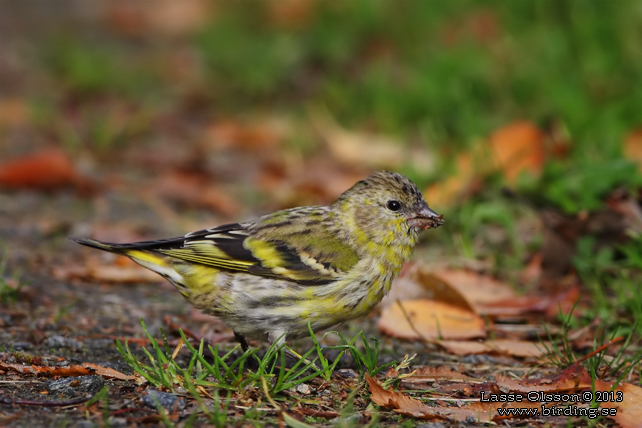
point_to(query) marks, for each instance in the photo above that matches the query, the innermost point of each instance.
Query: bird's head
(387, 205)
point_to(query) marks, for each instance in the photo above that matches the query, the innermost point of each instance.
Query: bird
(308, 267)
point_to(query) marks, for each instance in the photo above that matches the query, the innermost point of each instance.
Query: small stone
(22, 346)
(57, 341)
(347, 373)
(165, 399)
(479, 359)
(73, 385)
(303, 388)
(116, 422)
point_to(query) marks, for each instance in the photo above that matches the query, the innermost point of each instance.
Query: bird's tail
(140, 252)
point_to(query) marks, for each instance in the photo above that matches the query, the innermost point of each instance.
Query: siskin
(323, 265)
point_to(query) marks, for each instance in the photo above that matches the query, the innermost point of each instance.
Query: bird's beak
(425, 218)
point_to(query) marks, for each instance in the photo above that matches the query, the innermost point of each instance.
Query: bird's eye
(393, 205)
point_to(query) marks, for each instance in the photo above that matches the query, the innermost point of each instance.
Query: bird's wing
(303, 255)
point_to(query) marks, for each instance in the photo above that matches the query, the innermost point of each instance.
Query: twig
(600, 349)
(12, 401)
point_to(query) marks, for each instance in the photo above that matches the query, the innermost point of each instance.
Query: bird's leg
(241, 339)
(252, 363)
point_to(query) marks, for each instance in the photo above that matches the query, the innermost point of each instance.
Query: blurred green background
(436, 71)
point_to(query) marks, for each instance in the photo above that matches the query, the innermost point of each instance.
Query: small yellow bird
(323, 265)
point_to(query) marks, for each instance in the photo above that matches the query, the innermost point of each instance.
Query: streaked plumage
(269, 277)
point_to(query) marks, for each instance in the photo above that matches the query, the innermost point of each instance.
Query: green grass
(223, 375)
(10, 283)
(227, 372)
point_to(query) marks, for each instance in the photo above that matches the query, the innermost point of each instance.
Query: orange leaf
(519, 146)
(432, 320)
(46, 170)
(13, 111)
(108, 372)
(68, 371)
(633, 146)
(456, 188)
(629, 410)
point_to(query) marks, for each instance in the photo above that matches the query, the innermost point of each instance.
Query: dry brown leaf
(548, 304)
(456, 188)
(532, 272)
(122, 271)
(633, 146)
(291, 14)
(257, 135)
(13, 111)
(575, 378)
(516, 348)
(83, 369)
(161, 17)
(354, 149)
(518, 146)
(432, 320)
(46, 170)
(196, 190)
(108, 372)
(395, 400)
(572, 378)
(434, 374)
(629, 410)
(417, 281)
(479, 290)
(402, 403)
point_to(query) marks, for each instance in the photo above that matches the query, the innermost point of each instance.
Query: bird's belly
(256, 306)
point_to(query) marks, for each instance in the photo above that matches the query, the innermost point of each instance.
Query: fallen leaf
(13, 111)
(419, 282)
(548, 304)
(108, 372)
(516, 348)
(291, 14)
(196, 190)
(262, 134)
(432, 320)
(354, 149)
(402, 403)
(46, 170)
(633, 146)
(122, 271)
(164, 17)
(457, 187)
(83, 369)
(572, 378)
(576, 379)
(430, 375)
(518, 146)
(396, 400)
(533, 270)
(479, 290)
(629, 411)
